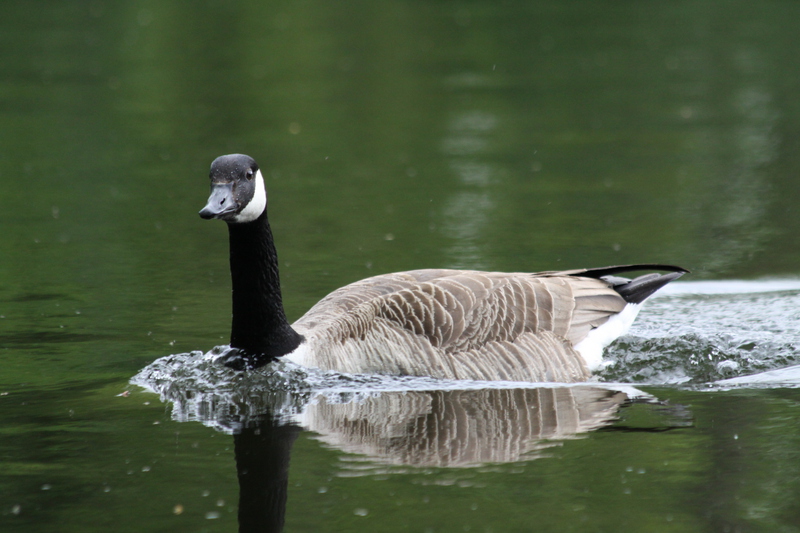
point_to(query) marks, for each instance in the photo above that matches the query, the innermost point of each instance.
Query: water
(707, 331)
(397, 135)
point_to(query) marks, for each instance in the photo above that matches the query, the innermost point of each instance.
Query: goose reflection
(262, 466)
(459, 428)
(417, 428)
(443, 428)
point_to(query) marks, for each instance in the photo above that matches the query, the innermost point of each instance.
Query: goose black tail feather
(619, 269)
(639, 289)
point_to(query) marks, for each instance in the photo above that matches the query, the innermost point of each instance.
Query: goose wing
(459, 324)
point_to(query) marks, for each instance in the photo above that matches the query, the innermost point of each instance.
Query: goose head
(237, 190)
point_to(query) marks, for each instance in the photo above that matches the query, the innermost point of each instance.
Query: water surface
(397, 135)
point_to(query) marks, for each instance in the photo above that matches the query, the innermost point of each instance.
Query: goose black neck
(259, 327)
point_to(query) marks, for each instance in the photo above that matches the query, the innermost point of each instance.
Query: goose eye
(249, 174)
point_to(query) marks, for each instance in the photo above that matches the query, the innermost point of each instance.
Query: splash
(703, 332)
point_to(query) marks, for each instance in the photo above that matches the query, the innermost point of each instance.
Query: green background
(393, 135)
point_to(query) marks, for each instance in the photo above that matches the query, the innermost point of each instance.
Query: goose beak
(220, 203)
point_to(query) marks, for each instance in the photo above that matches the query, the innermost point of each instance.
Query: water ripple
(702, 332)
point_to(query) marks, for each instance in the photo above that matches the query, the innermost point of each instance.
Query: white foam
(789, 375)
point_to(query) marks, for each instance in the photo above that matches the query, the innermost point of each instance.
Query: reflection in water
(419, 428)
(458, 428)
(465, 216)
(446, 428)
(732, 202)
(466, 213)
(262, 465)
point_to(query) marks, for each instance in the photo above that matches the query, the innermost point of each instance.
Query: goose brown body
(458, 324)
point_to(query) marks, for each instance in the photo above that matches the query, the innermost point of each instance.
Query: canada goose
(451, 324)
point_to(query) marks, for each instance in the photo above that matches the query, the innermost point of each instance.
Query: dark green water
(394, 135)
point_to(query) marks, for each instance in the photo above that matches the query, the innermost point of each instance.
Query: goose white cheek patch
(257, 204)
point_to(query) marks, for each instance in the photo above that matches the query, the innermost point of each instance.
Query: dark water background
(397, 135)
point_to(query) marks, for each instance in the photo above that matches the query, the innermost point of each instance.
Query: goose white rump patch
(256, 205)
(591, 348)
